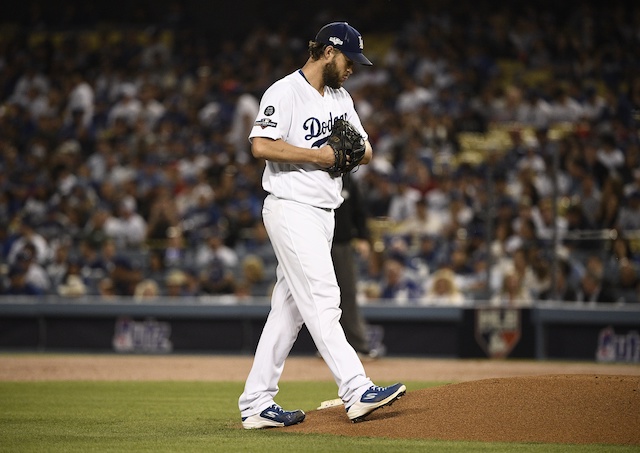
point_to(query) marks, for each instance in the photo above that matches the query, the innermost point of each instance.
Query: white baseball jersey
(292, 110)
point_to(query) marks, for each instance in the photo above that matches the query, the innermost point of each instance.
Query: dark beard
(330, 76)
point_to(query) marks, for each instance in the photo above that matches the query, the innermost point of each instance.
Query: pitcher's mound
(576, 409)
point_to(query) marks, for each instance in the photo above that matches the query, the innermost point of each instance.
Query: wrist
(325, 156)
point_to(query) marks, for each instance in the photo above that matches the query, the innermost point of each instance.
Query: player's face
(337, 71)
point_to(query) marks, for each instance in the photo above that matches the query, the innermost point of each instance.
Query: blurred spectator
(457, 218)
(28, 235)
(564, 290)
(73, 286)
(540, 278)
(543, 219)
(589, 197)
(214, 249)
(607, 213)
(459, 261)
(620, 251)
(32, 79)
(156, 265)
(428, 253)
(610, 156)
(80, 99)
(163, 217)
(438, 198)
(628, 282)
(127, 228)
(578, 224)
(422, 221)
(106, 289)
(379, 193)
(531, 160)
(216, 278)
(176, 284)
(398, 286)
(512, 293)
(633, 184)
(94, 229)
(413, 95)
(252, 282)
(18, 284)
(147, 290)
(403, 200)
(442, 289)
(151, 108)
(108, 252)
(200, 215)
(55, 226)
(594, 288)
(35, 274)
(125, 276)
(58, 267)
(175, 252)
(565, 108)
(93, 265)
(245, 113)
(128, 108)
(526, 235)
(629, 216)
(257, 243)
(499, 246)
(631, 150)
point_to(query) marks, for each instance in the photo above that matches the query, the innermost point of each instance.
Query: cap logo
(336, 41)
(360, 42)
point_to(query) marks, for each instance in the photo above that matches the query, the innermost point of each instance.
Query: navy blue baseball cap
(346, 39)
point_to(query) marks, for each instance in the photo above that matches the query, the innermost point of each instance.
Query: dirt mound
(575, 409)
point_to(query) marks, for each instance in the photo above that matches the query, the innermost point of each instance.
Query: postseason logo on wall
(497, 330)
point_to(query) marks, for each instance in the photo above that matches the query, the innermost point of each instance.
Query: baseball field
(55, 403)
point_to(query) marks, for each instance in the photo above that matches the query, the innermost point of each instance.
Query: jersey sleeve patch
(270, 110)
(265, 122)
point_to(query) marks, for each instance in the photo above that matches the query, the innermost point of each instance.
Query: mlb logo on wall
(497, 330)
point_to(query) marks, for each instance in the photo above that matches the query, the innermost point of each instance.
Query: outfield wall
(550, 331)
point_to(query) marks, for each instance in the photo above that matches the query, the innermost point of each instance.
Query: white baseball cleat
(373, 399)
(273, 417)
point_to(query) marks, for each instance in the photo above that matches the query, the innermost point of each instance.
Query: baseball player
(292, 130)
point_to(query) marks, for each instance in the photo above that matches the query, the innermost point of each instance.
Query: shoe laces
(277, 408)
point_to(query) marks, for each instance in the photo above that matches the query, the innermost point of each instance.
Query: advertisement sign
(614, 347)
(149, 336)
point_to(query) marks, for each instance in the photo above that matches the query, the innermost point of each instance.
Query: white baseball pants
(306, 292)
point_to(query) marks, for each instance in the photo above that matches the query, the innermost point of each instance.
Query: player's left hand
(348, 145)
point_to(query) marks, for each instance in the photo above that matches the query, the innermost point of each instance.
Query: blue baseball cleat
(375, 398)
(273, 417)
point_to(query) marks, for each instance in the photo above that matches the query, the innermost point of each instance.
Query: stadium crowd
(125, 168)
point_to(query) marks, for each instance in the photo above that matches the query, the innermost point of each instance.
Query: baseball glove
(348, 147)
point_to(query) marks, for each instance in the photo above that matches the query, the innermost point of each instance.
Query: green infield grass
(83, 416)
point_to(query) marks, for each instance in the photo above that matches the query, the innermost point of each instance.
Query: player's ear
(329, 52)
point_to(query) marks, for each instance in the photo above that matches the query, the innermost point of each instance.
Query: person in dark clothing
(351, 231)
(593, 288)
(18, 284)
(564, 290)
